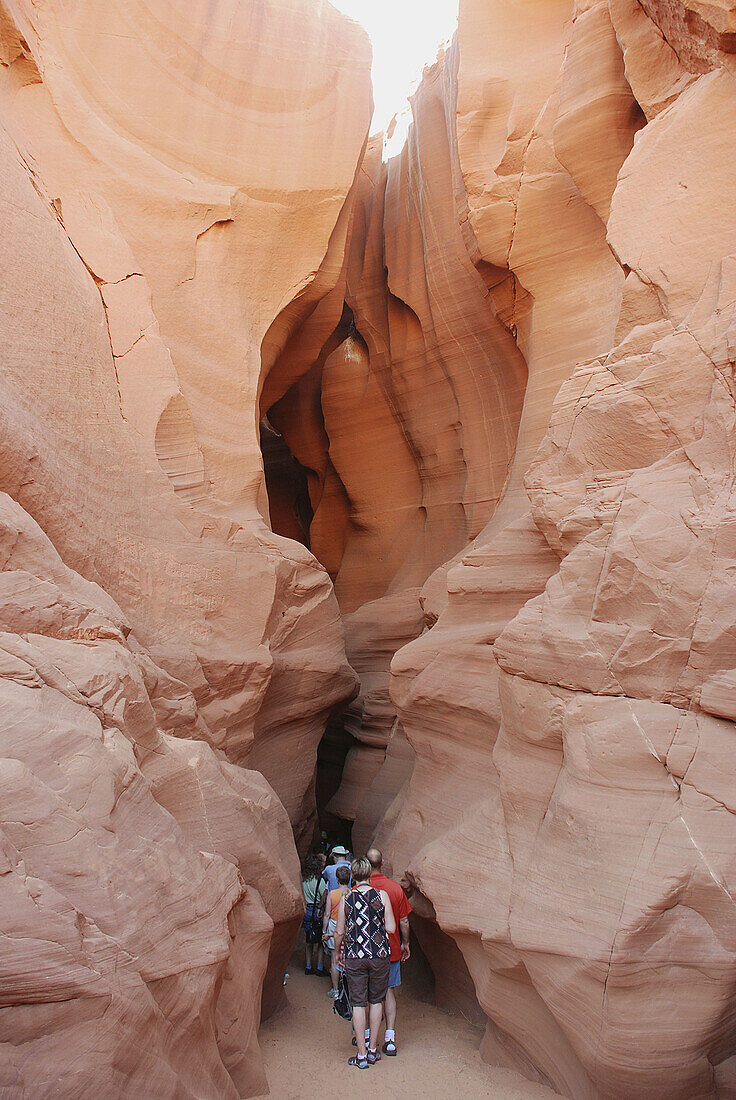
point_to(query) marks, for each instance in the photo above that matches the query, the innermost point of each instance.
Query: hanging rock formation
(170, 177)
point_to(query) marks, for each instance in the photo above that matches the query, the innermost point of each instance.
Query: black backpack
(315, 923)
(341, 1004)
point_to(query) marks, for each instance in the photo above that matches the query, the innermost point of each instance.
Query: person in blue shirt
(340, 857)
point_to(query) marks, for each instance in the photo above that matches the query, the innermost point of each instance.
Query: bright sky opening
(406, 35)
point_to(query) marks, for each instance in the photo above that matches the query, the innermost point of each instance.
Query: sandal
(360, 1063)
(389, 1048)
(373, 1056)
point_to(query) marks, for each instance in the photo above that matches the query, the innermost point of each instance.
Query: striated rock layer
(400, 397)
(171, 176)
(568, 818)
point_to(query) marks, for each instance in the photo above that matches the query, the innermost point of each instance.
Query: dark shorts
(312, 925)
(367, 981)
(394, 974)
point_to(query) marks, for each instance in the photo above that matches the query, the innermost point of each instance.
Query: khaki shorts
(367, 981)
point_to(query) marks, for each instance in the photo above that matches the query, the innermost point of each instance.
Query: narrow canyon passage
(306, 1047)
(291, 512)
(389, 494)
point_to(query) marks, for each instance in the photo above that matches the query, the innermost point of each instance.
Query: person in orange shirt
(398, 942)
(332, 907)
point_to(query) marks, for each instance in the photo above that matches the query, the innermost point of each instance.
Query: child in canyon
(332, 907)
(365, 920)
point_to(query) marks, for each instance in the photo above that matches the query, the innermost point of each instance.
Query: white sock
(389, 1035)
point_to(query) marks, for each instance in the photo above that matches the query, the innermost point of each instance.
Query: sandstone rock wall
(171, 177)
(178, 211)
(404, 413)
(493, 384)
(569, 815)
(146, 881)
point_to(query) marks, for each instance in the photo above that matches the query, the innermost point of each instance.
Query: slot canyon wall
(171, 177)
(490, 385)
(516, 427)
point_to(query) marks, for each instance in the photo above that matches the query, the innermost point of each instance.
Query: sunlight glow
(406, 35)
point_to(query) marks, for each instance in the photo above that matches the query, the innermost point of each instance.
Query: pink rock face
(125, 847)
(175, 325)
(405, 413)
(169, 180)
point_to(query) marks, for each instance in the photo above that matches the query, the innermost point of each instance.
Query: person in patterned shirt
(364, 922)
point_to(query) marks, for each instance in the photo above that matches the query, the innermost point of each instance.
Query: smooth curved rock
(568, 710)
(125, 854)
(156, 636)
(493, 383)
(170, 242)
(398, 483)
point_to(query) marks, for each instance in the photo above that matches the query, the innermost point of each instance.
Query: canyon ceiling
(439, 452)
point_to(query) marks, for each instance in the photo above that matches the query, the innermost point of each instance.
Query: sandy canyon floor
(306, 1048)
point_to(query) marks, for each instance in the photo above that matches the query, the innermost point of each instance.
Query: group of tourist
(360, 919)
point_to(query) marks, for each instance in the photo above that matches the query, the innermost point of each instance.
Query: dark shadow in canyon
(331, 756)
(287, 485)
(302, 483)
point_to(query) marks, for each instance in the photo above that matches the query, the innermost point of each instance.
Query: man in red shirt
(398, 941)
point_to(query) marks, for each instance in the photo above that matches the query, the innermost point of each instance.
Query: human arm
(326, 916)
(405, 948)
(340, 929)
(403, 915)
(389, 917)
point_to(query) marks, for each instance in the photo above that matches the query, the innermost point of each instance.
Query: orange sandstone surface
(535, 385)
(569, 818)
(170, 177)
(437, 453)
